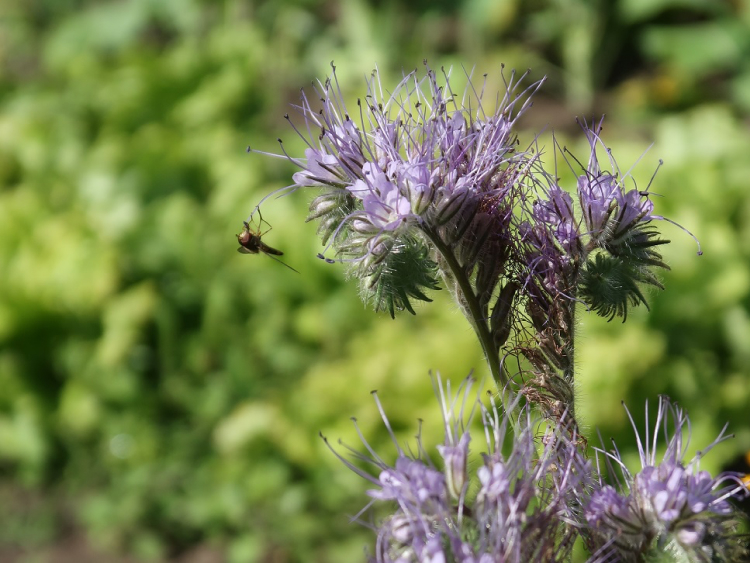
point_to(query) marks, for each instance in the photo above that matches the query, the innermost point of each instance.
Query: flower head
(609, 209)
(669, 504)
(384, 206)
(517, 507)
(414, 168)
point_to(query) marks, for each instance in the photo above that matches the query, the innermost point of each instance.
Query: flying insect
(251, 243)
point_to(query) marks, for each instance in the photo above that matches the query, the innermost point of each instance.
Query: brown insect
(251, 243)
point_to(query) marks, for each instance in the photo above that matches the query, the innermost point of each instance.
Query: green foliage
(166, 391)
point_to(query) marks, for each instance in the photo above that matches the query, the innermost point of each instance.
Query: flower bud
(363, 226)
(455, 465)
(322, 205)
(451, 205)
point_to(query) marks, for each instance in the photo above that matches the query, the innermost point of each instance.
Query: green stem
(569, 372)
(475, 316)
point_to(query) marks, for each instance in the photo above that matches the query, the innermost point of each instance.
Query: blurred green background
(161, 395)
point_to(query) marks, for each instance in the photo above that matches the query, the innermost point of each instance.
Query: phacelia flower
(384, 206)
(427, 183)
(670, 505)
(601, 258)
(599, 253)
(410, 175)
(609, 209)
(520, 505)
(621, 250)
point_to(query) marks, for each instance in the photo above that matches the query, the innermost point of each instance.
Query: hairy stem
(569, 372)
(570, 321)
(474, 316)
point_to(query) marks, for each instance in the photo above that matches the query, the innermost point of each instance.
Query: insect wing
(280, 262)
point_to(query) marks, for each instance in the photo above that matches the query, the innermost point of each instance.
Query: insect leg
(261, 221)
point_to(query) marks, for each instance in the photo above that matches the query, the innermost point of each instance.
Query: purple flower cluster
(413, 156)
(534, 493)
(599, 253)
(519, 505)
(413, 176)
(610, 211)
(426, 181)
(603, 257)
(670, 505)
